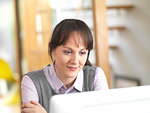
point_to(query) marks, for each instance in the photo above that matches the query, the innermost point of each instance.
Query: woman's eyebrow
(73, 49)
(68, 48)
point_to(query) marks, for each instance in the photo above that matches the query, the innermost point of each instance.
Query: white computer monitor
(122, 100)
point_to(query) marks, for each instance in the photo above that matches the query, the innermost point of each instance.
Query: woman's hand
(32, 107)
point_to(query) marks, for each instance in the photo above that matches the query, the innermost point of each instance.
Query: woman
(71, 71)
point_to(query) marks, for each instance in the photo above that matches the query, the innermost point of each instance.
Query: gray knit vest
(45, 91)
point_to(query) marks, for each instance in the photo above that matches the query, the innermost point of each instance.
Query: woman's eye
(67, 52)
(82, 52)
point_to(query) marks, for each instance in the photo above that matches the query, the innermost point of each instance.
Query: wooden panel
(116, 27)
(18, 46)
(35, 51)
(120, 7)
(113, 47)
(101, 38)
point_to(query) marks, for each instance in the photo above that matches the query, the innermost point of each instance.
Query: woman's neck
(68, 82)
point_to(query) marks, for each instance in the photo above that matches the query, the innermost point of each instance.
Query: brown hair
(63, 31)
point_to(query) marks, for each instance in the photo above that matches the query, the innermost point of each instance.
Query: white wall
(7, 38)
(133, 56)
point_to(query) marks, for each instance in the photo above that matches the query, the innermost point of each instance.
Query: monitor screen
(121, 100)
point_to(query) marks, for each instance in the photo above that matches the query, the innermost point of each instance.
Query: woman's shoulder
(93, 68)
(37, 72)
(87, 67)
(34, 73)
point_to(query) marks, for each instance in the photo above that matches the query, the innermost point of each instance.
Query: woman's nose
(75, 58)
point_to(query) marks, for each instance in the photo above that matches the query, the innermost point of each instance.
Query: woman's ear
(53, 55)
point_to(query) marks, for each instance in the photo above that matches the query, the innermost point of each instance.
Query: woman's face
(70, 58)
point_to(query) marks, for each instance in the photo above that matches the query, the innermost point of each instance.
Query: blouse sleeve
(28, 90)
(100, 81)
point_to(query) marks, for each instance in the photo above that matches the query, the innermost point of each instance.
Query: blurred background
(120, 29)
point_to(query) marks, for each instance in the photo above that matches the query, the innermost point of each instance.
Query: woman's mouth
(72, 68)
